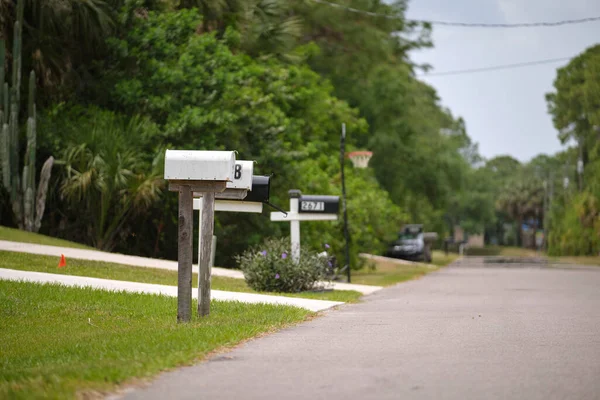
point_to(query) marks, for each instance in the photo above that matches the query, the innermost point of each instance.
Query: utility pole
(580, 166)
(346, 233)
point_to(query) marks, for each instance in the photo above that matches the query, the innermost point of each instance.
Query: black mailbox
(261, 186)
(319, 204)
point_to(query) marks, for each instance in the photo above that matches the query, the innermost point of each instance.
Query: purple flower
(264, 252)
(283, 256)
(329, 263)
(327, 246)
(276, 276)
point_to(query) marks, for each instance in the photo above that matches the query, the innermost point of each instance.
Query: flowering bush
(270, 268)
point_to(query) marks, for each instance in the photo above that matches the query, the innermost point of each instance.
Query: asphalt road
(459, 333)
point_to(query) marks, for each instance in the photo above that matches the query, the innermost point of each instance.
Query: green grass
(386, 273)
(58, 342)
(17, 235)
(97, 269)
(440, 259)
(581, 260)
(506, 251)
(384, 276)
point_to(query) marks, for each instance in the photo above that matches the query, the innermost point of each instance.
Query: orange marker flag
(62, 262)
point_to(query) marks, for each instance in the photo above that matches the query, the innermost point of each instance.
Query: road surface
(459, 333)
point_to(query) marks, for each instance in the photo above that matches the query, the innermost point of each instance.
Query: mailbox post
(188, 172)
(252, 203)
(237, 188)
(306, 208)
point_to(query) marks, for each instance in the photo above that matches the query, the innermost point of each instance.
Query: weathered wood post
(206, 233)
(184, 254)
(205, 172)
(252, 203)
(236, 189)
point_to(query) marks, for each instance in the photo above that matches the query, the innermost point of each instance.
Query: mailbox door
(242, 175)
(261, 186)
(319, 204)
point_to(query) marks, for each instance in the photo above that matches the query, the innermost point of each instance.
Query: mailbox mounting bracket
(197, 186)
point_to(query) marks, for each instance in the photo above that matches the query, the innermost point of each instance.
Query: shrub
(575, 228)
(270, 268)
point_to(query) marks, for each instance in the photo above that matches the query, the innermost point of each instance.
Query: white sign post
(306, 208)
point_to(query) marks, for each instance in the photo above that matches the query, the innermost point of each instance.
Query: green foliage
(28, 202)
(575, 105)
(522, 199)
(364, 57)
(576, 229)
(373, 218)
(473, 207)
(575, 109)
(273, 80)
(64, 37)
(112, 171)
(268, 111)
(270, 268)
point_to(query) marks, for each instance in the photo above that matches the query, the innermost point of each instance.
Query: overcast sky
(505, 111)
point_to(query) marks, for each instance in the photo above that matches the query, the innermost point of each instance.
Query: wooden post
(206, 232)
(184, 267)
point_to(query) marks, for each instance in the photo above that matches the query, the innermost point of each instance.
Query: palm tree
(269, 29)
(107, 181)
(215, 13)
(522, 199)
(60, 37)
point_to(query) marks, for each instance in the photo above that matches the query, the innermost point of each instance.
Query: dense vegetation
(119, 81)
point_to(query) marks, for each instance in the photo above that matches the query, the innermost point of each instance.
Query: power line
(495, 67)
(461, 24)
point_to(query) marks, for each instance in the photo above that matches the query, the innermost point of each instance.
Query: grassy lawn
(507, 251)
(440, 259)
(581, 260)
(17, 235)
(97, 269)
(61, 342)
(502, 251)
(386, 276)
(389, 273)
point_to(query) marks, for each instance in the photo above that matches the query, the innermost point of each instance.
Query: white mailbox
(238, 188)
(205, 173)
(242, 175)
(200, 165)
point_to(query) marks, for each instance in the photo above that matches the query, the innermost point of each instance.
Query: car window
(407, 236)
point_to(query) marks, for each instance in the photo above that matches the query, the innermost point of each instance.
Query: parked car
(410, 245)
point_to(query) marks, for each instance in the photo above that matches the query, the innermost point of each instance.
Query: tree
(522, 199)
(108, 177)
(575, 110)
(61, 39)
(575, 105)
(269, 111)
